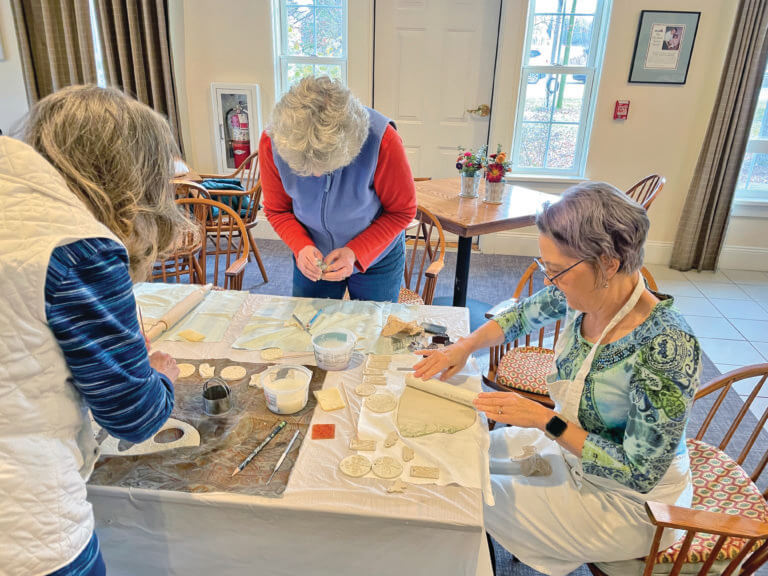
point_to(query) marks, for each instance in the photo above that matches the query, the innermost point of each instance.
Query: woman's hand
(341, 264)
(511, 408)
(165, 364)
(449, 360)
(306, 261)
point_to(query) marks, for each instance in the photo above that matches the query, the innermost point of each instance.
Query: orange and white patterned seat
(719, 485)
(409, 297)
(526, 369)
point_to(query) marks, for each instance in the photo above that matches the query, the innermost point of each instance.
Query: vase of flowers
(470, 167)
(496, 166)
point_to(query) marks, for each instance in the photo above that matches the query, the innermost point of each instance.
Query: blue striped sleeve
(91, 310)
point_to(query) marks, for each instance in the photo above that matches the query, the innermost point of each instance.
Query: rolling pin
(442, 389)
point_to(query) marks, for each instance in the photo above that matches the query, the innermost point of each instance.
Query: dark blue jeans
(88, 563)
(380, 283)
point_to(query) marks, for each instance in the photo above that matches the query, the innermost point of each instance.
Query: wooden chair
(424, 259)
(524, 368)
(245, 203)
(645, 191)
(222, 229)
(184, 262)
(726, 528)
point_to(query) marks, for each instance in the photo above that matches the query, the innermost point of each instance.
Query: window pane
(331, 70)
(760, 122)
(296, 72)
(330, 31)
(754, 173)
(562, 147)
(558, 97)
(533, 145)
(300, 34)
(562, 33)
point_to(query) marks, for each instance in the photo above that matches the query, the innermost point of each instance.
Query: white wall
(622, 152)
(13, 95)
(232, 42)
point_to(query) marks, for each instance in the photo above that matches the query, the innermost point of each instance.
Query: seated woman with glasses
(626, 368)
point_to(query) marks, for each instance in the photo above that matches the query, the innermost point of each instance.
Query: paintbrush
(258, 448)
(282, 456)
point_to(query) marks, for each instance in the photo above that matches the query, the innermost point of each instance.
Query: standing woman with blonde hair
(87, 206)
(339, 192)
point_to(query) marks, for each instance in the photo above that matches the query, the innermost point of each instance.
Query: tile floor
(728, 312)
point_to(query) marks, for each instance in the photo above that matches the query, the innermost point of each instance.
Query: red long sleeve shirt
(392, 181)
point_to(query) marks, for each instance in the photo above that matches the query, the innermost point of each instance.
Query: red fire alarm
(621, 110)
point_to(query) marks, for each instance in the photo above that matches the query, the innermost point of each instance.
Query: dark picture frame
(663, 46)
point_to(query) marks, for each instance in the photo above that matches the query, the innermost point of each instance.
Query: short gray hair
(318, 126)
(597, 219)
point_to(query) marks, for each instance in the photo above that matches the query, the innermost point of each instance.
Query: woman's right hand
(448, 361)
(165, 364)
(307, 260)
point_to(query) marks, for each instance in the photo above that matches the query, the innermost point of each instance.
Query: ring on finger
(501, 410)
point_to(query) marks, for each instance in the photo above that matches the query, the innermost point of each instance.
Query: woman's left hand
(341, 264)
(511, 408)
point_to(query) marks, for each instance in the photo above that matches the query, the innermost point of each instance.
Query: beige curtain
(136, 53)
(707, 208)
(55, 43)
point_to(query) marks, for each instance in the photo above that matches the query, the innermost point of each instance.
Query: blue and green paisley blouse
(638, 394)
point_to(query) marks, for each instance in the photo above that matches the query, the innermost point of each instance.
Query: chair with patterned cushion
(523, 368)
(726, 528)
(424, 259)
(645, 191)
(245, 202)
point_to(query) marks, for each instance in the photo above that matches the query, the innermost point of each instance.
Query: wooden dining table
(470, 217)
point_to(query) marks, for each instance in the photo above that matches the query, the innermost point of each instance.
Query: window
(312, 41)
(101, 76)
(561, 64)
(753, 177)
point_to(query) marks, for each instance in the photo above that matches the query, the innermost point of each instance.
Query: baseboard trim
(744, 258)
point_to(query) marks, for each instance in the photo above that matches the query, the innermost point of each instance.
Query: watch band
(555, 427)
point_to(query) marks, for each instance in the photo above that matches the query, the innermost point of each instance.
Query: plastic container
(286, 388)
(333, 349)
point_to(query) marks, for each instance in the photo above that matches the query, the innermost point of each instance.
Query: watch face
(556, 426)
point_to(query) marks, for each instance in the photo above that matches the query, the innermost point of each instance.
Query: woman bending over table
(87, 205)
(625, 371)
(339, 192)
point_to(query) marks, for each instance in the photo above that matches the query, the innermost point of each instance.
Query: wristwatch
(555, 427)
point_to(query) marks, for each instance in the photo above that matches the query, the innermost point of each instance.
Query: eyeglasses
(552, 279)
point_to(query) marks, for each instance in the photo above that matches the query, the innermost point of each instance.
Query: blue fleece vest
(336, 207)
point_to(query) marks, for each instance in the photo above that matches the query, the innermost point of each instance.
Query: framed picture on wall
(663, 46)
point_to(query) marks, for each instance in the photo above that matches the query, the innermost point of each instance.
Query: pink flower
(467, 153)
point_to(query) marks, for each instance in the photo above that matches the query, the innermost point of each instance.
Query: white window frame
(282, 59)
(591, 70)
(752, 203)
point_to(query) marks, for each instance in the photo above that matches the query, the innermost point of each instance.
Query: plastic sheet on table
(272, 323)
(225, 441)
(156, 300)
(211, 318)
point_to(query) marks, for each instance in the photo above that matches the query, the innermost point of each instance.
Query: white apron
(558, 522)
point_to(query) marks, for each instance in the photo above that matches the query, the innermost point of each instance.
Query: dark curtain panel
(704, 220)
(56, 46)
(137, 55)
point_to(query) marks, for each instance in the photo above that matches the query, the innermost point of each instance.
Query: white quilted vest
(47, 449)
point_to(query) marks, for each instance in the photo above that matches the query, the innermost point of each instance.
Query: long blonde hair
(116, 154)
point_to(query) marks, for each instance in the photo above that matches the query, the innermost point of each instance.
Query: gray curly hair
(596, 219)
(318, 126)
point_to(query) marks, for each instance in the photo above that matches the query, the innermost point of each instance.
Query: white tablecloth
(325, 523)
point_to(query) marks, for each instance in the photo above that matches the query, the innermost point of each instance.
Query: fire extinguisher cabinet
(236, 123)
